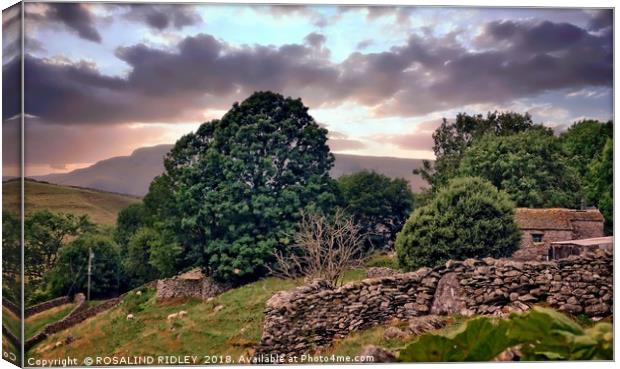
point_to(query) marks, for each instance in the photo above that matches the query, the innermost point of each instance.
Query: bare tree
(324, 248)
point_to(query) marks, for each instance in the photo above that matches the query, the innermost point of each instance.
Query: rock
(130, 316)
(419, 325)
(218, 308)
(377, 272)
(449, 298)
(514, 296)
(572, 300)
(570, 308)
(527, 298)
(598, 309)
(394, 332)
(510, 354)
(379, 354)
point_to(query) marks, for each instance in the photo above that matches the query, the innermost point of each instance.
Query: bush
(469, 218)
(379, 204)
(543, 334)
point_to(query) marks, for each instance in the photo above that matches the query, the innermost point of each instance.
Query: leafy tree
(583, 141)
(69, 275)
(239, 184)
(128, 221)
(529, 166)
(11, 257)
(600, 184)
(451, 140)
(45, 234)
(149, 256)
(468, 218)
(379, 204)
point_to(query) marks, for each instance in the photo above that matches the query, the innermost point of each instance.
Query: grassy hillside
(35, 323)
(102, 207)
(230, 330)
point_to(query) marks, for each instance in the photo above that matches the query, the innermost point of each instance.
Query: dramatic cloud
(167, 85)
(426, 74)
(161, 17)
(76, 17)
(602, 19)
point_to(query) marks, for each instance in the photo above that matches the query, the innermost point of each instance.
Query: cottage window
(537, 237)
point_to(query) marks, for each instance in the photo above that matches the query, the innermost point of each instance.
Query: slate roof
(554, 218)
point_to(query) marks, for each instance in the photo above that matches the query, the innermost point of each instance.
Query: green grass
(36, 322)
(382, 260)
(229, 331)
(352, 344)
(233, 330)
(102, 207)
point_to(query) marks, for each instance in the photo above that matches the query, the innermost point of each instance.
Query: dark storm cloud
(162, 17)
(76, 17)
(602, 19)
(166, 85)
(315, 39)
(426, 74)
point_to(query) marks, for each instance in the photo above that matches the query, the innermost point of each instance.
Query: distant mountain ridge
(132, 174)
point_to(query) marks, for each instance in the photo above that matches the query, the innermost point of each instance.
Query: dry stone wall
(35, 309)
(310, 317)
(80, 313)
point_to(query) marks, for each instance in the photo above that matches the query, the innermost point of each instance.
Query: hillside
(102, 207)
(232, 329)
(132, 174)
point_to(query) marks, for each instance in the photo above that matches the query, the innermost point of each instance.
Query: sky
(102, 80)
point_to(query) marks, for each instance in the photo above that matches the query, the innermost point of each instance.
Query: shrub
(469, 218)
(543, 334)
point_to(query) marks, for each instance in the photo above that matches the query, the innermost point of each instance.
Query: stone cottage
(542, 227)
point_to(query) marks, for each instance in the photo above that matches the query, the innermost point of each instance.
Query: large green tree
(239, 184)
(150, 255)
(468, 218)
(45, 233)
(70, 274)
(452, 138)
(530, 166)
(11, 257)
(600, 183)
(379, 205)
(584, 141)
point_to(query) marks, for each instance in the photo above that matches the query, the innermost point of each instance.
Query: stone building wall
(199, 288)
(310, 317)
(529, 250)
(587, 229)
